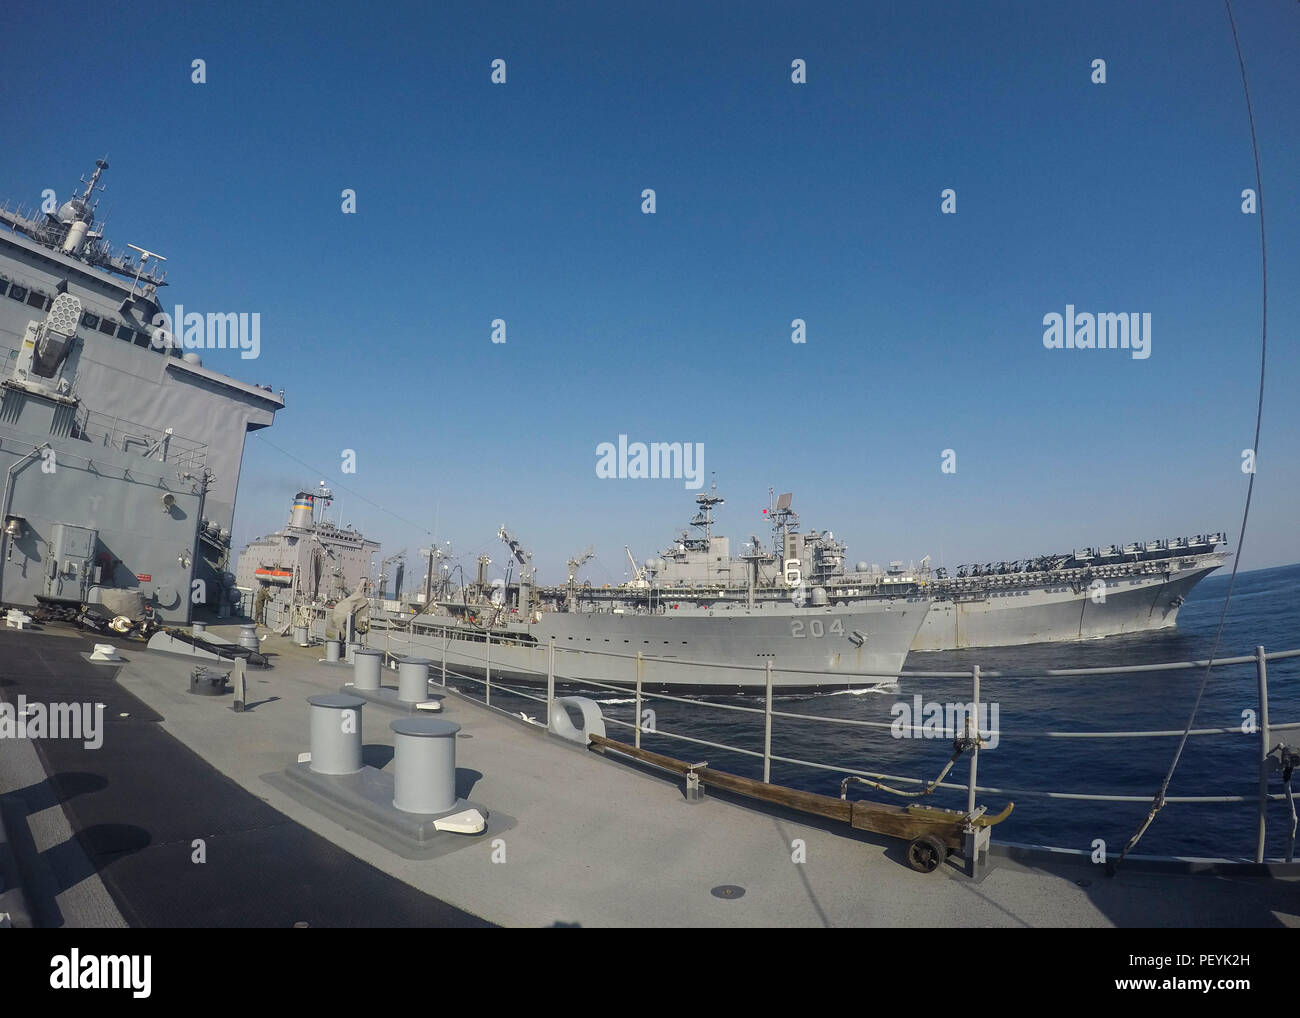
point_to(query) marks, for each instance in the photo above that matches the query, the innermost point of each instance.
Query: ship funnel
(300, 517)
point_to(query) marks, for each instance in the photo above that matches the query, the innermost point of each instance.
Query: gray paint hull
(1057, 614)
(136, 544)
(809, 649)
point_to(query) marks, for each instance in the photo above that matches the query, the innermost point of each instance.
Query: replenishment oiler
(689, 644)
(639, 635)
(695, 612)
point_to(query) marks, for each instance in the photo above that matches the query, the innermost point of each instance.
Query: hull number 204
(800, 628)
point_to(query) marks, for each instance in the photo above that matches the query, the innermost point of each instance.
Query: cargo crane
(575, 564)
(436, 567)
(527, 573)
(638, 574)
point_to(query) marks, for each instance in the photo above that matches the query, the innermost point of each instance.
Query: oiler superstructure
(310, 561)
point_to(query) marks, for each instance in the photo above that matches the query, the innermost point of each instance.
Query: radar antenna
(144, 261)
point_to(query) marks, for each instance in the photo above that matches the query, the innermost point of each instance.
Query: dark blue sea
(1265, 610)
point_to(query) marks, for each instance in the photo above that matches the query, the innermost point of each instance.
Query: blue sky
(775, 201)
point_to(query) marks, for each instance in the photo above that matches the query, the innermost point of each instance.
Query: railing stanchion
(975, 751)
(1261, 670)
(767, 726)
(640, 671)
(550, 678)
(488, 689)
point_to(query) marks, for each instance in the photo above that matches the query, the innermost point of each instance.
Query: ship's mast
(93, 184)
(784, 521)
(323, 497)
(704, 518)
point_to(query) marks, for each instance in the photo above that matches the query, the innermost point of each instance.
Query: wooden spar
(907, 822)
(807, 802)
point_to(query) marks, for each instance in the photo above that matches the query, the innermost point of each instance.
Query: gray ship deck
(591, 841)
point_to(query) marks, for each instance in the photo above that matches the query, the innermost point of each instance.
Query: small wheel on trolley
(925, 854)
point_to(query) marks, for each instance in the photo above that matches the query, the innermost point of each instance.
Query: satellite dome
(819, 596)
(73, 209)
(861, 567)
(192, 358)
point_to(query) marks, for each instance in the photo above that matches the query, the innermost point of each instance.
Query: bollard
(332, 651)
(300, 636)
(335, 733)
(365, 669)
(239, 678)
(413, 680)
(199, 628)
(248, 637)
(424, 765)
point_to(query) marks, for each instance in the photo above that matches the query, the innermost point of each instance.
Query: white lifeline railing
(1260, 659)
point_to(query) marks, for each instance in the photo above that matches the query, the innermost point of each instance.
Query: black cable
(1158, 802)
(338, 484)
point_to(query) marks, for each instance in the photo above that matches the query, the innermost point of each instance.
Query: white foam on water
(888, 687)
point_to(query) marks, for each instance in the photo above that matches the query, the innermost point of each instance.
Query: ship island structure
(120, 451)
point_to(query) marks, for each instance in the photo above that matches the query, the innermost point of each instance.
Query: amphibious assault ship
(1084, 594)
(121, 453)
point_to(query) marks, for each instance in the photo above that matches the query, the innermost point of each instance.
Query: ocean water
(1265, 610)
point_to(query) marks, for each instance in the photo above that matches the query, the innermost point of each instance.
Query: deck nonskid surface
(143, 804)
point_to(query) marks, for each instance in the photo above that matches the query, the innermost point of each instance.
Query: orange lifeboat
(274, 574)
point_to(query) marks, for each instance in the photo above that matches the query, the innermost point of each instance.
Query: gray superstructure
(129, 418)
(310, 560)
(700, 643)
